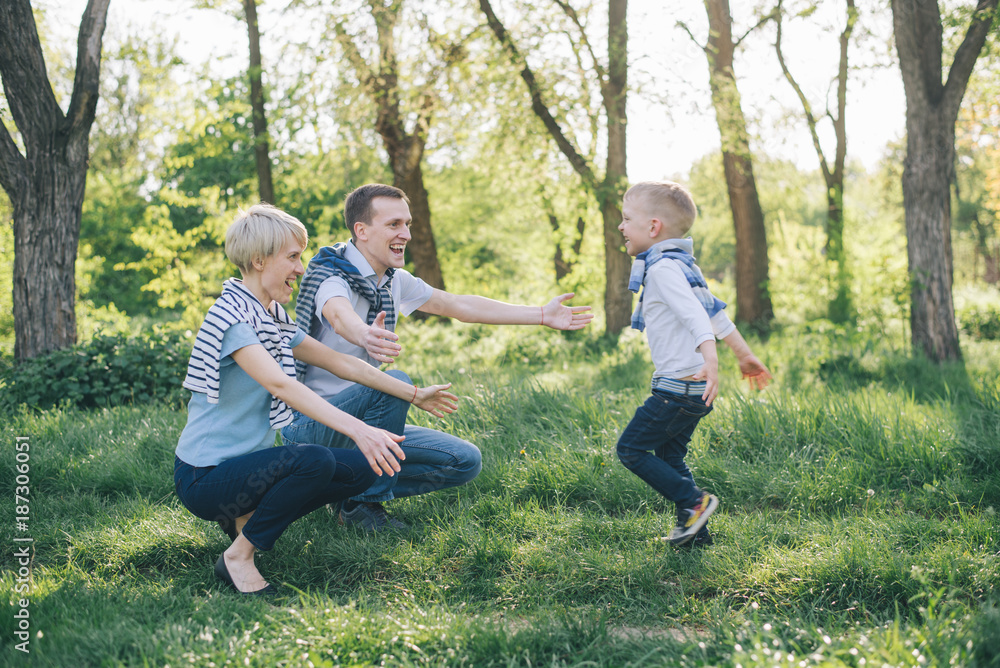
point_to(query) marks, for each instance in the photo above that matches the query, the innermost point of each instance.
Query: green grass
(857, 526)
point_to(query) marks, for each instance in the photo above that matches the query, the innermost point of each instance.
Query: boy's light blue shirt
(239, 423)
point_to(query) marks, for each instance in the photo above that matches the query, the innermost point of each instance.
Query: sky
(663, 139)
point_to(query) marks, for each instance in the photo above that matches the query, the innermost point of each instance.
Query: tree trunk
(46, 238)
(46, 184)
(562, 266)
(260, 138)
(405, 148)
(753, 300)
(839, 308)
(929, 169)
(609, 190)
(423, 253)
(617, 298)
(987, 247)
(927, 176)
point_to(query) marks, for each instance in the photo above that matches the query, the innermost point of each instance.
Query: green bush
(106, 371)
(980, 321)
(977, 310)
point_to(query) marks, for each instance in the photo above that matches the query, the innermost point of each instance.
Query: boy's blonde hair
(260, 232)
(670, 202)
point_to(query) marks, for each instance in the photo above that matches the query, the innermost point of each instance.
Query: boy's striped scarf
(330, 261)
(678, 250)
(237, 304)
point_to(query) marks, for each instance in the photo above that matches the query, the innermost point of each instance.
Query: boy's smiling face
(636, 226)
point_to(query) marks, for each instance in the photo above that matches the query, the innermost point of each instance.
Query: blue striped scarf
(679, 250)
(330, 261)
(237, 304)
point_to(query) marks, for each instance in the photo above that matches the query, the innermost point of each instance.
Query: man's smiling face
(384, 240)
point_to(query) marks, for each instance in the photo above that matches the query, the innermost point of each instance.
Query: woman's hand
(436, 400)
(380, 448)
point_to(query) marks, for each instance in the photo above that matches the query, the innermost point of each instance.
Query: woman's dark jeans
(279, 484)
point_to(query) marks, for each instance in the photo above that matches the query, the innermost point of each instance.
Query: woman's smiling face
(279, 271)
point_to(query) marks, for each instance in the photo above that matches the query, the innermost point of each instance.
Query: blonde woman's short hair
(260, 232)
(670, 202)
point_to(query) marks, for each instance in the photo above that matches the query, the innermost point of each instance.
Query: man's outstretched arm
(473, 308)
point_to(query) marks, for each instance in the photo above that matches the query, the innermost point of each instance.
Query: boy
(681, 319)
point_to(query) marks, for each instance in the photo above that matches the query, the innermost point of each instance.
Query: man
(350, 299)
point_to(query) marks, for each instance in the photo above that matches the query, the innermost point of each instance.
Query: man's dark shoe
(371, 516)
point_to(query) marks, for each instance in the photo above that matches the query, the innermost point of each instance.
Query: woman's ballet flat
(223, 574)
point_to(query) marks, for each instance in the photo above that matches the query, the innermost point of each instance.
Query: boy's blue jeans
(655, 443)
(279, 484)
(434, 460)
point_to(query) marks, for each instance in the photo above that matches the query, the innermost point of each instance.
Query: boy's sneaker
(701, 539)
(371, 516)
(685, 531)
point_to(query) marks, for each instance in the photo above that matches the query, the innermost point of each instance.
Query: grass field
(857, 526)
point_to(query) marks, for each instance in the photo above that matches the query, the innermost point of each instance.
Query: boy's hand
(557, 316)
(380, 343)
(710, 372)
(755, 372)
(436, 400)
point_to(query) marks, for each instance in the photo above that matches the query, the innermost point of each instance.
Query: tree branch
(806, 107)
(683, 26)
(967, 54)
(86, 84)
(578, 162)
(353, 54)
(763, 20)
(587, 97)
(575, 18)
(32, 103)
(839, 123)
(12, 164)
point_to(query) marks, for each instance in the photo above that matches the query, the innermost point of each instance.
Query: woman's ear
(257, 264)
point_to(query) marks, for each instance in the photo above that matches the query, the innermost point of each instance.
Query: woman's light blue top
(238, 424)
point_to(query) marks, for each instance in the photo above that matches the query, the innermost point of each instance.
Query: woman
(242, 377)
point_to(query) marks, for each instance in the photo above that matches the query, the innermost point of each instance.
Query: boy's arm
(751, 367)
(473, 308)
(710, 371)
(374, 338)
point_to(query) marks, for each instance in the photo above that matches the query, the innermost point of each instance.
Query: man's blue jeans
(279, 484)
(434, 460)
(655, 443)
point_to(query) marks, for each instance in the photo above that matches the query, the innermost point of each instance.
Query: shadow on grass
(925, 381)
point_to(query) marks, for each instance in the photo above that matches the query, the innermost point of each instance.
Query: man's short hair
(358, 207)
(260, 232)
(670, 202)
